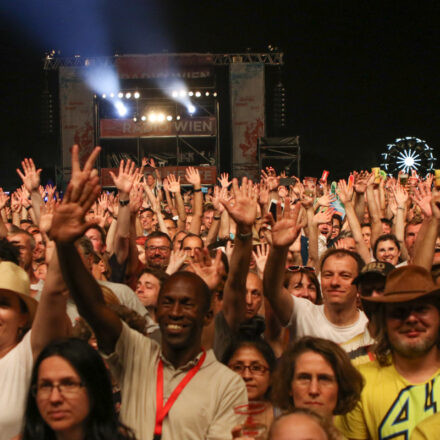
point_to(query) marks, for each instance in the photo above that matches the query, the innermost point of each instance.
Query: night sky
(358, 74)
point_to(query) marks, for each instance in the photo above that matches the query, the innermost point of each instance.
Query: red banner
(127, 128)
(208, 175)
(184, 66)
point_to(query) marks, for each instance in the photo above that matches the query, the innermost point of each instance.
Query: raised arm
(174, 187)
(243, 211)
(401, 197)
(31, 181)
(373, 208)
(193, 177)
(284, 233)
(68, 224)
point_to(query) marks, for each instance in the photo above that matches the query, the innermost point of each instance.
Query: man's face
(147, 289)
(95, 237)
(337, 275)
(146, 219)
(336, 228)
(388, 251)
(325, 229)
(171, 226)
(190, 245)
(150, 180)
(23, 243)
(412, 327)
(410, 237)
(40, 248)
(254, 295)
(180, 313)
(366, 235)
(208, 217)
(157, 252)
(386, 228)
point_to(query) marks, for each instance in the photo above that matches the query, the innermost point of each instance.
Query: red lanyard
(162, 411)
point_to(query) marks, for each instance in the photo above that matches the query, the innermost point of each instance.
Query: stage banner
(165, 66)
(76, 115)
(208, 175)
(127, 128)
(247, 116)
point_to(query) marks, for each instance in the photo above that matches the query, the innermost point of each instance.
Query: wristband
(401, 207)
(216, 217)
(243, 236)
(124, 202)
(197, 190)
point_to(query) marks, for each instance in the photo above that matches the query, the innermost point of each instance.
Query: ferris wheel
(408, 154)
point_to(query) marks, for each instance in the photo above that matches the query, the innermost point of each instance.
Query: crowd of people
(282, 309)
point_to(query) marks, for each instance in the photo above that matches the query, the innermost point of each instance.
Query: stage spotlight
(135, 118)
(214, 94)
(191, 93)
(136, 95)
(198, 94)
(120, 95)
(182, 93)
(160, 117)
(104, 96)
(112, 95)
(207, 94)
(120, 107)
(169, 118)
(191, 109)
(152, 117)
(177, 118)
(144, 118)
(174, 94)
(128, 95)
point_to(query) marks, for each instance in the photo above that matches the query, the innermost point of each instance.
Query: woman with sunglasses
(255, 362)
(301, 281)
(70, 397)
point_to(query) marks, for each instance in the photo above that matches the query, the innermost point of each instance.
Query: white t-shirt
(15, 377)
(309, 319)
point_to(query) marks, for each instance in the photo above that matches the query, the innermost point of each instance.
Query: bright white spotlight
(198, 94)
(214, 94)
(174, 94)
(104, 96)
(136, 95)
(144, 118)
(120, 107)
(207, 94)
(191, 109)
(135, 119)
(128, 95)
(112, 95)
(120, 95)
(182, 93)
(169, 118)
(160, 117)
(152, 117)
(191, 93)
(178, 118)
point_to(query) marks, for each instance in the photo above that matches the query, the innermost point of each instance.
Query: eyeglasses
(67, 389)
(298, 268)
(161, 249)
(256, 369)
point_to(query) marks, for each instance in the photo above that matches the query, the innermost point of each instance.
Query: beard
(413, 349)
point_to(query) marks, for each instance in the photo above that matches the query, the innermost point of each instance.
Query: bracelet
(124, 202)
(197, 190)
(243, 236)
(400, 207)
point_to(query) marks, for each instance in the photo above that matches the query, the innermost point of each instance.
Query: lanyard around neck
(162, 411)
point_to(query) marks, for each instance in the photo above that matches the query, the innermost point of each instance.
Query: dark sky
(358, 73)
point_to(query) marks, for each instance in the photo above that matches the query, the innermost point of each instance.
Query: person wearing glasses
(157, 250)
(254, 360)
(70, 396)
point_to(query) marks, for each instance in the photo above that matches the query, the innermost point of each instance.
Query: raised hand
(326, 199)
(422, 197)
(126, 176)
(219, 194)
(136, 198)
(81, 176)
(46, 214)
(30, 175)
(401, 195)
(286, 229)
(260, 256)
(224, 180)
(174, 184)
(3, 198)
(206, 268)
(192, 176)
(323, 216)
(177, 258)
(270, 178)
(244, 209)
(345, 193)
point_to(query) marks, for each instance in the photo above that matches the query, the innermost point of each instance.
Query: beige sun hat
(14, 279)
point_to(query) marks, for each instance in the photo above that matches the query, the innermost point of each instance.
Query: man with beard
(402, 387)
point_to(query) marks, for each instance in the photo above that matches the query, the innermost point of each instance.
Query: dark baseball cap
(375, 267)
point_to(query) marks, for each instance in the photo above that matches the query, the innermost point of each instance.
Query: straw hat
(404, 284)
(14, 279)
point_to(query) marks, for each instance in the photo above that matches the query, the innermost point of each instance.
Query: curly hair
(349, 380)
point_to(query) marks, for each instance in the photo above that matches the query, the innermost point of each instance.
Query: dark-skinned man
(200, 391)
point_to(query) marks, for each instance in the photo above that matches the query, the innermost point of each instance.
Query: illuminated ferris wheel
(408, 154)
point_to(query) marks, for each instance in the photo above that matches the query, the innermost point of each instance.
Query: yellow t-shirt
(429, 429)
(390, 407)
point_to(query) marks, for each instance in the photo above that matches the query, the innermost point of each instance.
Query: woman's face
(66, 411)
(250, 364)
(301, 286)
(11, 320)
(147, 289)
(314, 384)
(387, 251)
